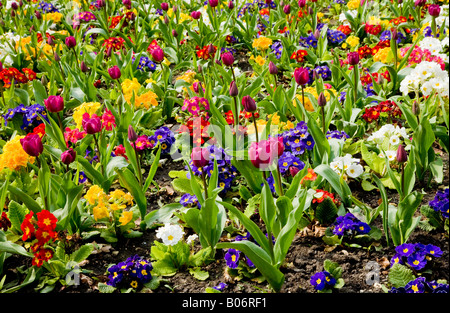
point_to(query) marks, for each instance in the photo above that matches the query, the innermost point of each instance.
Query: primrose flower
(232, 258)
(170, 234)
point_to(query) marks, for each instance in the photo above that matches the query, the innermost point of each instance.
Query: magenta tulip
(227, 58)
(200, 156)
(32, 144)
(158, 54)
(196, 15)
(301, 75)
(68, 156)
(353, 58)
(54, 103)
(71, 42)
(434, 10)
(114, 72)
(249, 104)
(91, 124)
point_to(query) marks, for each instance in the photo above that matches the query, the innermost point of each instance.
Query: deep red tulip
(227, 58)
(91, 124)
(249, 104)
(353, 58)
(32, 144)
(114, 72)
(301, 75)
(200, 156)
(434, 10)
(71, 42)
(68, 156)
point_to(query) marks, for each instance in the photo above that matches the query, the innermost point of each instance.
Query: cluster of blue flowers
(335, 36)
(298, 139)
(323, 71)
(227, 49)
(348, 224)
(308, 42)
(415, 255)
(134, 272)
(145, 63)
(30, 115)
(165, 137)
(287, 160)
(188, 200)
(420, 285)
(277, 48)
(46, 7)
(337, 134)
(322, 280)
(227, 172)
(440, 203)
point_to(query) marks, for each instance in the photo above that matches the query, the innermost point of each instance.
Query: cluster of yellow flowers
(145, 100)
(86, 107)
(308, 105)
(13, 156)
(352, 41)
(262, 43)
(105, 203)
(353, 4)
(187, 76)
(384, 55)
(281, 125)
(55, 17)
(259, 60)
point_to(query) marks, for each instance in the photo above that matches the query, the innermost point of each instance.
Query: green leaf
(153, 169)
(198, 273)
(261, 260)
(82, 253)
(162, 215)
(400, 275)
(338, 184)
(16, 214)
(128, 180)
(104, 288)
(13, 248)
(26, 199)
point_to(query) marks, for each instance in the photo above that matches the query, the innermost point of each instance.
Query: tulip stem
(256, 127)
(138, 161)
(236, 118)
(280, 185)
(323, 121)
(60, 122)
(402, 178)
(355, 80)
(204, 184)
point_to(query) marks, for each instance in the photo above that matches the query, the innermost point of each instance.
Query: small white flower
(391, 155)
(191, 239)
(354, 170)
(394, 140)
(170, 234)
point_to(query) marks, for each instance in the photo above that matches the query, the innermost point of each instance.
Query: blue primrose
(232, 258)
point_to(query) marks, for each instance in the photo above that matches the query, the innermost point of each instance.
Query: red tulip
(262, 154)
(249, 104)
(114, 72)
(196, 15)
(227, 58)
(434, 10)
(353, 58)
(158, 54)
(71, 42)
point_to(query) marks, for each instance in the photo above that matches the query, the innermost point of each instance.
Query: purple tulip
(273, 68)
(200, 156)
(402, 157)
(287, 9)
(91, 124)
(227, 58)
(233, 89)
(54, 103)
(114, 72)
(132, 136)
(127, 3)
(32, 144)
(249, 104)
(434, 10)
(322, 101)
(213, 3)
(302, 3)
(263, 153)
(71, 42)
(353, 58)
(68, 156)
(301, 75)
(165, 6)
(231, 5)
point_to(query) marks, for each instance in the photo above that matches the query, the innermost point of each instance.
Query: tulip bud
(316, 33)
(114, 72)
(127, 3)
(213, 3)
(380, 79)
(196, 15)
(402, 157)
(310, 11)
(38, 14)
(301, 75)
(249, 104)
(420, 3)
(1, 66)
(200, 157)
(273, 68)
(101, 3)
(71, 42)
(174, 9)
(227, 58)
(302, 3)
(32, 144)
(44, 80)
(132, 136)
(57, 58)
(166, 20)
(233, 89)
(211, 49)
(84, 67)
(54, 103)
(14, 6)
(293, 170)
(353, 58)
(415, 108)
(287, 9)
(434, 10)
(174, 33)
(231, 5)
(394, 34)
(68, 156)
(322, 101)
(165, 6)
(158, 55)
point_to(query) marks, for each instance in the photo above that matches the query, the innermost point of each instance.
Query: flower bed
(224, 147)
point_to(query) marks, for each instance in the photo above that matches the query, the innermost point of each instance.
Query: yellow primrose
(125, 218)
(13, 156)
(100, 211)
(262, 43)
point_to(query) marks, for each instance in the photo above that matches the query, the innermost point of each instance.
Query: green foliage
(326, 211)
(400, 275)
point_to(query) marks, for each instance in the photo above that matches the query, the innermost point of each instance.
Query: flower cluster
(298, 139)
(287, 161)
(421, 285)
(415, 255)
(388, 137)
(5, 223)
(40, 231)
(103, 205)
(386, 108)
(427, 78)
(322, 280)
(195, 105)
(133, 272)
(320, 195)
(277, 48)
(440, 203)
(163, 136)
(336, 134)
(31, 115)
(348, 224)
(14, 156)
(145, 63)
(347, 166)
(10, 75)
(227, 172)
